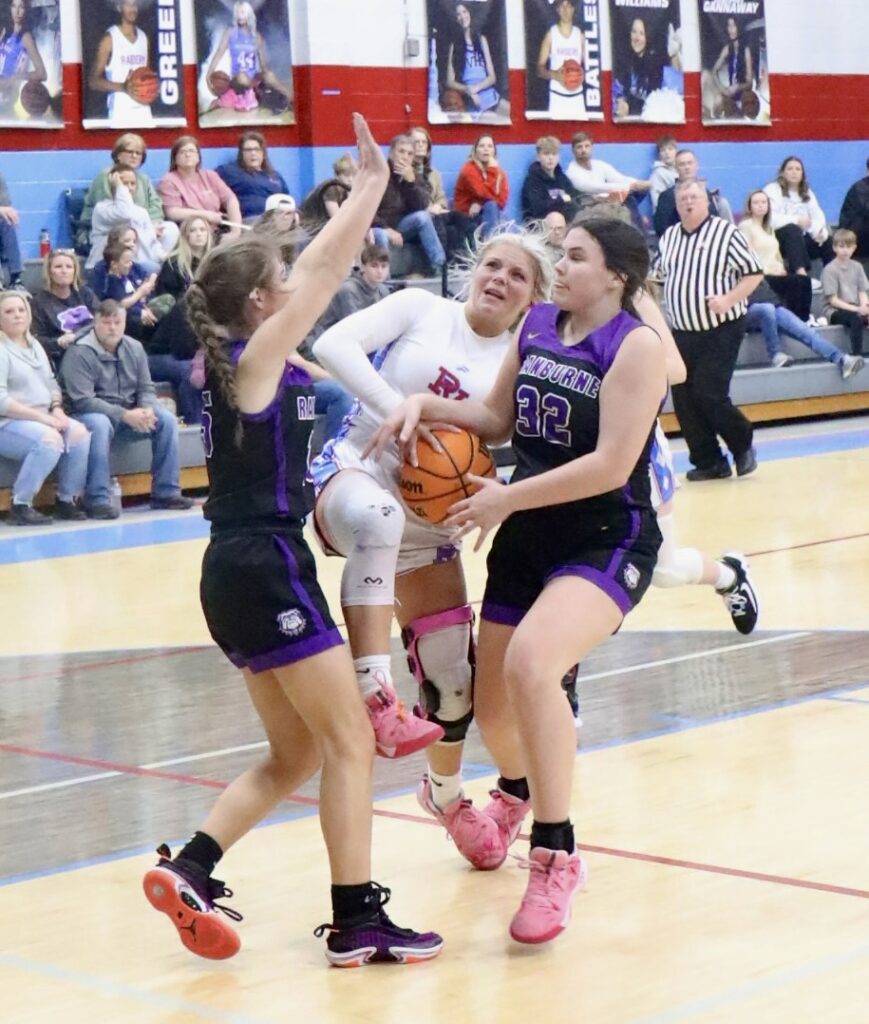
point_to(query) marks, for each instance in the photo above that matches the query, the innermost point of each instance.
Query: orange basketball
(143, 85)
(574, 75)
(439, 481)
(35, 98)
(219, 82)
(750, 104)
(452, 102)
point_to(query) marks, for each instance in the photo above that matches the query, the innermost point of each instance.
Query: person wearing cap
(252, 177)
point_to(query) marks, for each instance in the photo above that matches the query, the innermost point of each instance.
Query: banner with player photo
(734, 76)
(648, 82)
(31, 77)
(562, 60)
(131, 64)
(468, 78)
(245, 70)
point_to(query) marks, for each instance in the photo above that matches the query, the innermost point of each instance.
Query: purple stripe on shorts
(501, 614)
(291, 653)
(299, 590)
(620, 552)
(281, 501)
(604, 581)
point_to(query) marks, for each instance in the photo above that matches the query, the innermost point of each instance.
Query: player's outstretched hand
(483, 511)
(372, 163)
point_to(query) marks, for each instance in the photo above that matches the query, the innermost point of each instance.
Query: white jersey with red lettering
(423, 343)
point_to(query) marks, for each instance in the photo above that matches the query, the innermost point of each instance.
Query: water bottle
(44, 243)
(115, 494)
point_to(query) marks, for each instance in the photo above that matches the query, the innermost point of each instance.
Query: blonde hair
(182, 253)
(530, 240)
(51, 257)
(12, 293)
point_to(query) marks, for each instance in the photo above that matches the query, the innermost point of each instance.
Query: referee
(709, 270)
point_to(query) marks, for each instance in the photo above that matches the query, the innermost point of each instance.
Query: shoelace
(385, 702)
(214, 888)
(376, 916)
(737, 603)
(540, 896)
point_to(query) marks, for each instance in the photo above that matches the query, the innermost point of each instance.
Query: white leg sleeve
(677, 567)
(365, 523)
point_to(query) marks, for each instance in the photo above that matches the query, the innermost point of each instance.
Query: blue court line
(65, 543)
(778, 979)
(162, 529)
(474, 770)
(109, 987)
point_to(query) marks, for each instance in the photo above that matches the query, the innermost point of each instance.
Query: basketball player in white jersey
(396, 562)
(563, 42)
(122, 49)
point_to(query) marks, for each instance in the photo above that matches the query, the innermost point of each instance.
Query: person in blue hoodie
(251, 175)
(547, 188)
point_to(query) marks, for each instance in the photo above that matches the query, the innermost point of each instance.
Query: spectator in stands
(107, 384)
(124, 235)
(666, 214)
(794, 290)
(362, 289)
(189, 188)
(119, 209)
(194, 243)
(767, 315)
(663, 174)
(324, 200)
(797, 218)
(251, 175)
(129, 285)
(455, 230)
(846, 289)
(34, 430)
(63, 307)
(281, 211)
(556, 229)
(546, 186)
(599, 183)
(709, 270)
(855, 213)
(10, 251)
(128, 151)
(403, 212)
(482, 188)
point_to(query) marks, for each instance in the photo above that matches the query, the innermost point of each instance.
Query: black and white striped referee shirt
(696, 265)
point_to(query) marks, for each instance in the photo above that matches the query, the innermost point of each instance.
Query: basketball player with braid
(580, 390)
(122, 50)
(453, 349)
(259, 591)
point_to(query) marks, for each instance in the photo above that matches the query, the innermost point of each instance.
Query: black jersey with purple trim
(557, 404)
(262, 480)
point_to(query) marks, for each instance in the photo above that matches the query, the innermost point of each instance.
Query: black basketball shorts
(531, 548)
(261, 599)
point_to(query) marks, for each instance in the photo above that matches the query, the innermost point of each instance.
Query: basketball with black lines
(440, 479)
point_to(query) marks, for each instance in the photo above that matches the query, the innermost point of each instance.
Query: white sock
(373, 673)
(726, 578)
(445, 789)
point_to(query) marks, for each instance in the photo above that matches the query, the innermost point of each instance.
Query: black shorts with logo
(261, 599)
(617, 554)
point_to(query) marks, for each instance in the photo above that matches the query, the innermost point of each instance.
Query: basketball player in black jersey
(580, 391)
(260, 594)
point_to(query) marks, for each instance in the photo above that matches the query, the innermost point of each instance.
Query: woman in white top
(453, 349)
(797, 218)
(121, 208)
(794, 290)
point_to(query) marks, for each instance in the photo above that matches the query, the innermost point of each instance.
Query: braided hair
(217, 299)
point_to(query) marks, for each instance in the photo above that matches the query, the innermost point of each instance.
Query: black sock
(556, 835)
(202, 850)
(14, 279)
(354, 901)
(515, 787)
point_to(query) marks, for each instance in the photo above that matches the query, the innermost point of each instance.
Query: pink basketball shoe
(553, 878)
(398, 732)
(476, 835)
(508, 812)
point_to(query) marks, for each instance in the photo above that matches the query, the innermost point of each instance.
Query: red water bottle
(44, 243)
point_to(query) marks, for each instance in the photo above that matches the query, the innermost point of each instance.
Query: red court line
(87, 666)
(606, 851)
(808, 544)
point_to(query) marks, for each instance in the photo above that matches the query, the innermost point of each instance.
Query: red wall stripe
(822, 107)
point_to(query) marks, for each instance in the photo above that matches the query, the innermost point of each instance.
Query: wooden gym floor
(719, 796)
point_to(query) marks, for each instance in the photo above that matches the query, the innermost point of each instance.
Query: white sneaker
(781, 359)
(850, 365)
(816, 285)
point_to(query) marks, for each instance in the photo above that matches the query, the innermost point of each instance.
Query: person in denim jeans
(107, 383)
(34, 430)
(772, 320)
